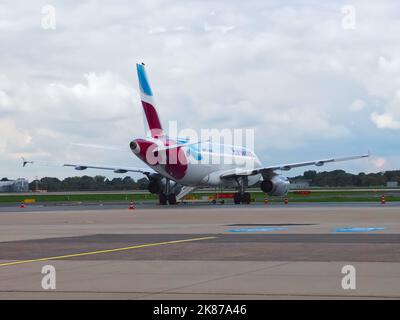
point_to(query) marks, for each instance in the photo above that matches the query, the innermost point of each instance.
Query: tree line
(87, 183)
(335, 178)
(341, 178)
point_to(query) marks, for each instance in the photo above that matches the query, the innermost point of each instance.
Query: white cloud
(357, 105)
(157, 30)
(5, 102)
(45, 118)
(287, 69)
(218, 28)
(101, 96)
(10, 135)
(384, 121)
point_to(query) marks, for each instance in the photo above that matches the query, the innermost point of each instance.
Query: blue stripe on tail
(144, 83)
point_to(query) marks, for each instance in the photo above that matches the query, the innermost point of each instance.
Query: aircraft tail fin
(152, 119)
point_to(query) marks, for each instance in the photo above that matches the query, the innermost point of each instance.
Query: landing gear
(239, 198)
(172, 198)
(242, 196)
(167, 196)
(154, 186)
(246, 198)
(163, 199)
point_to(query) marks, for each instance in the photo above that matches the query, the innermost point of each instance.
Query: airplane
(174, 166)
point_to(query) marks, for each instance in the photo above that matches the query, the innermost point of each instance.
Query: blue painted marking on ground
(257, 229)
(351, 229)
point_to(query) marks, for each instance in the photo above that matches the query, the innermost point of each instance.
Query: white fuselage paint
(207, 170)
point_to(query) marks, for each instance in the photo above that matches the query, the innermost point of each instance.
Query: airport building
(300, 184)
(19, 185)
(392, 184)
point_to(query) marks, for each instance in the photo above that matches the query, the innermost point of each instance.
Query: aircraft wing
(116, 169)
(267, 170)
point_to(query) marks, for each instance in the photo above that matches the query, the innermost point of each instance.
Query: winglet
(143, 81)
(25, 162)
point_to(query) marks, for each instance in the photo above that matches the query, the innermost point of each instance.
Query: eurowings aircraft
(175, 167)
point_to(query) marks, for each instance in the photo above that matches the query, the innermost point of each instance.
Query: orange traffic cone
(266, 201)
(22, 204)
(131, 206)
(286, 200)
(382, 199)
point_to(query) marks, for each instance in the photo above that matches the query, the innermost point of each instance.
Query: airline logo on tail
(153, 121)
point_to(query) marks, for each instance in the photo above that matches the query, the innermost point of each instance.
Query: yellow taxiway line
(104, 251)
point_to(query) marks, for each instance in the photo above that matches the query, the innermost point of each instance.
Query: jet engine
(158, 185)
(154, 186)
(135, 147)
(276, 186)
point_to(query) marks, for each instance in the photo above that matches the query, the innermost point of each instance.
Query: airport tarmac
(200, 251)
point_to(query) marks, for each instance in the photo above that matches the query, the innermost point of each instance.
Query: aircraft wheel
(237, 198)
(172, 198)
(163, 199)
(246, 198)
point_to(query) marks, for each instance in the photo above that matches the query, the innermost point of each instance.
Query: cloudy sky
(312, 78)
